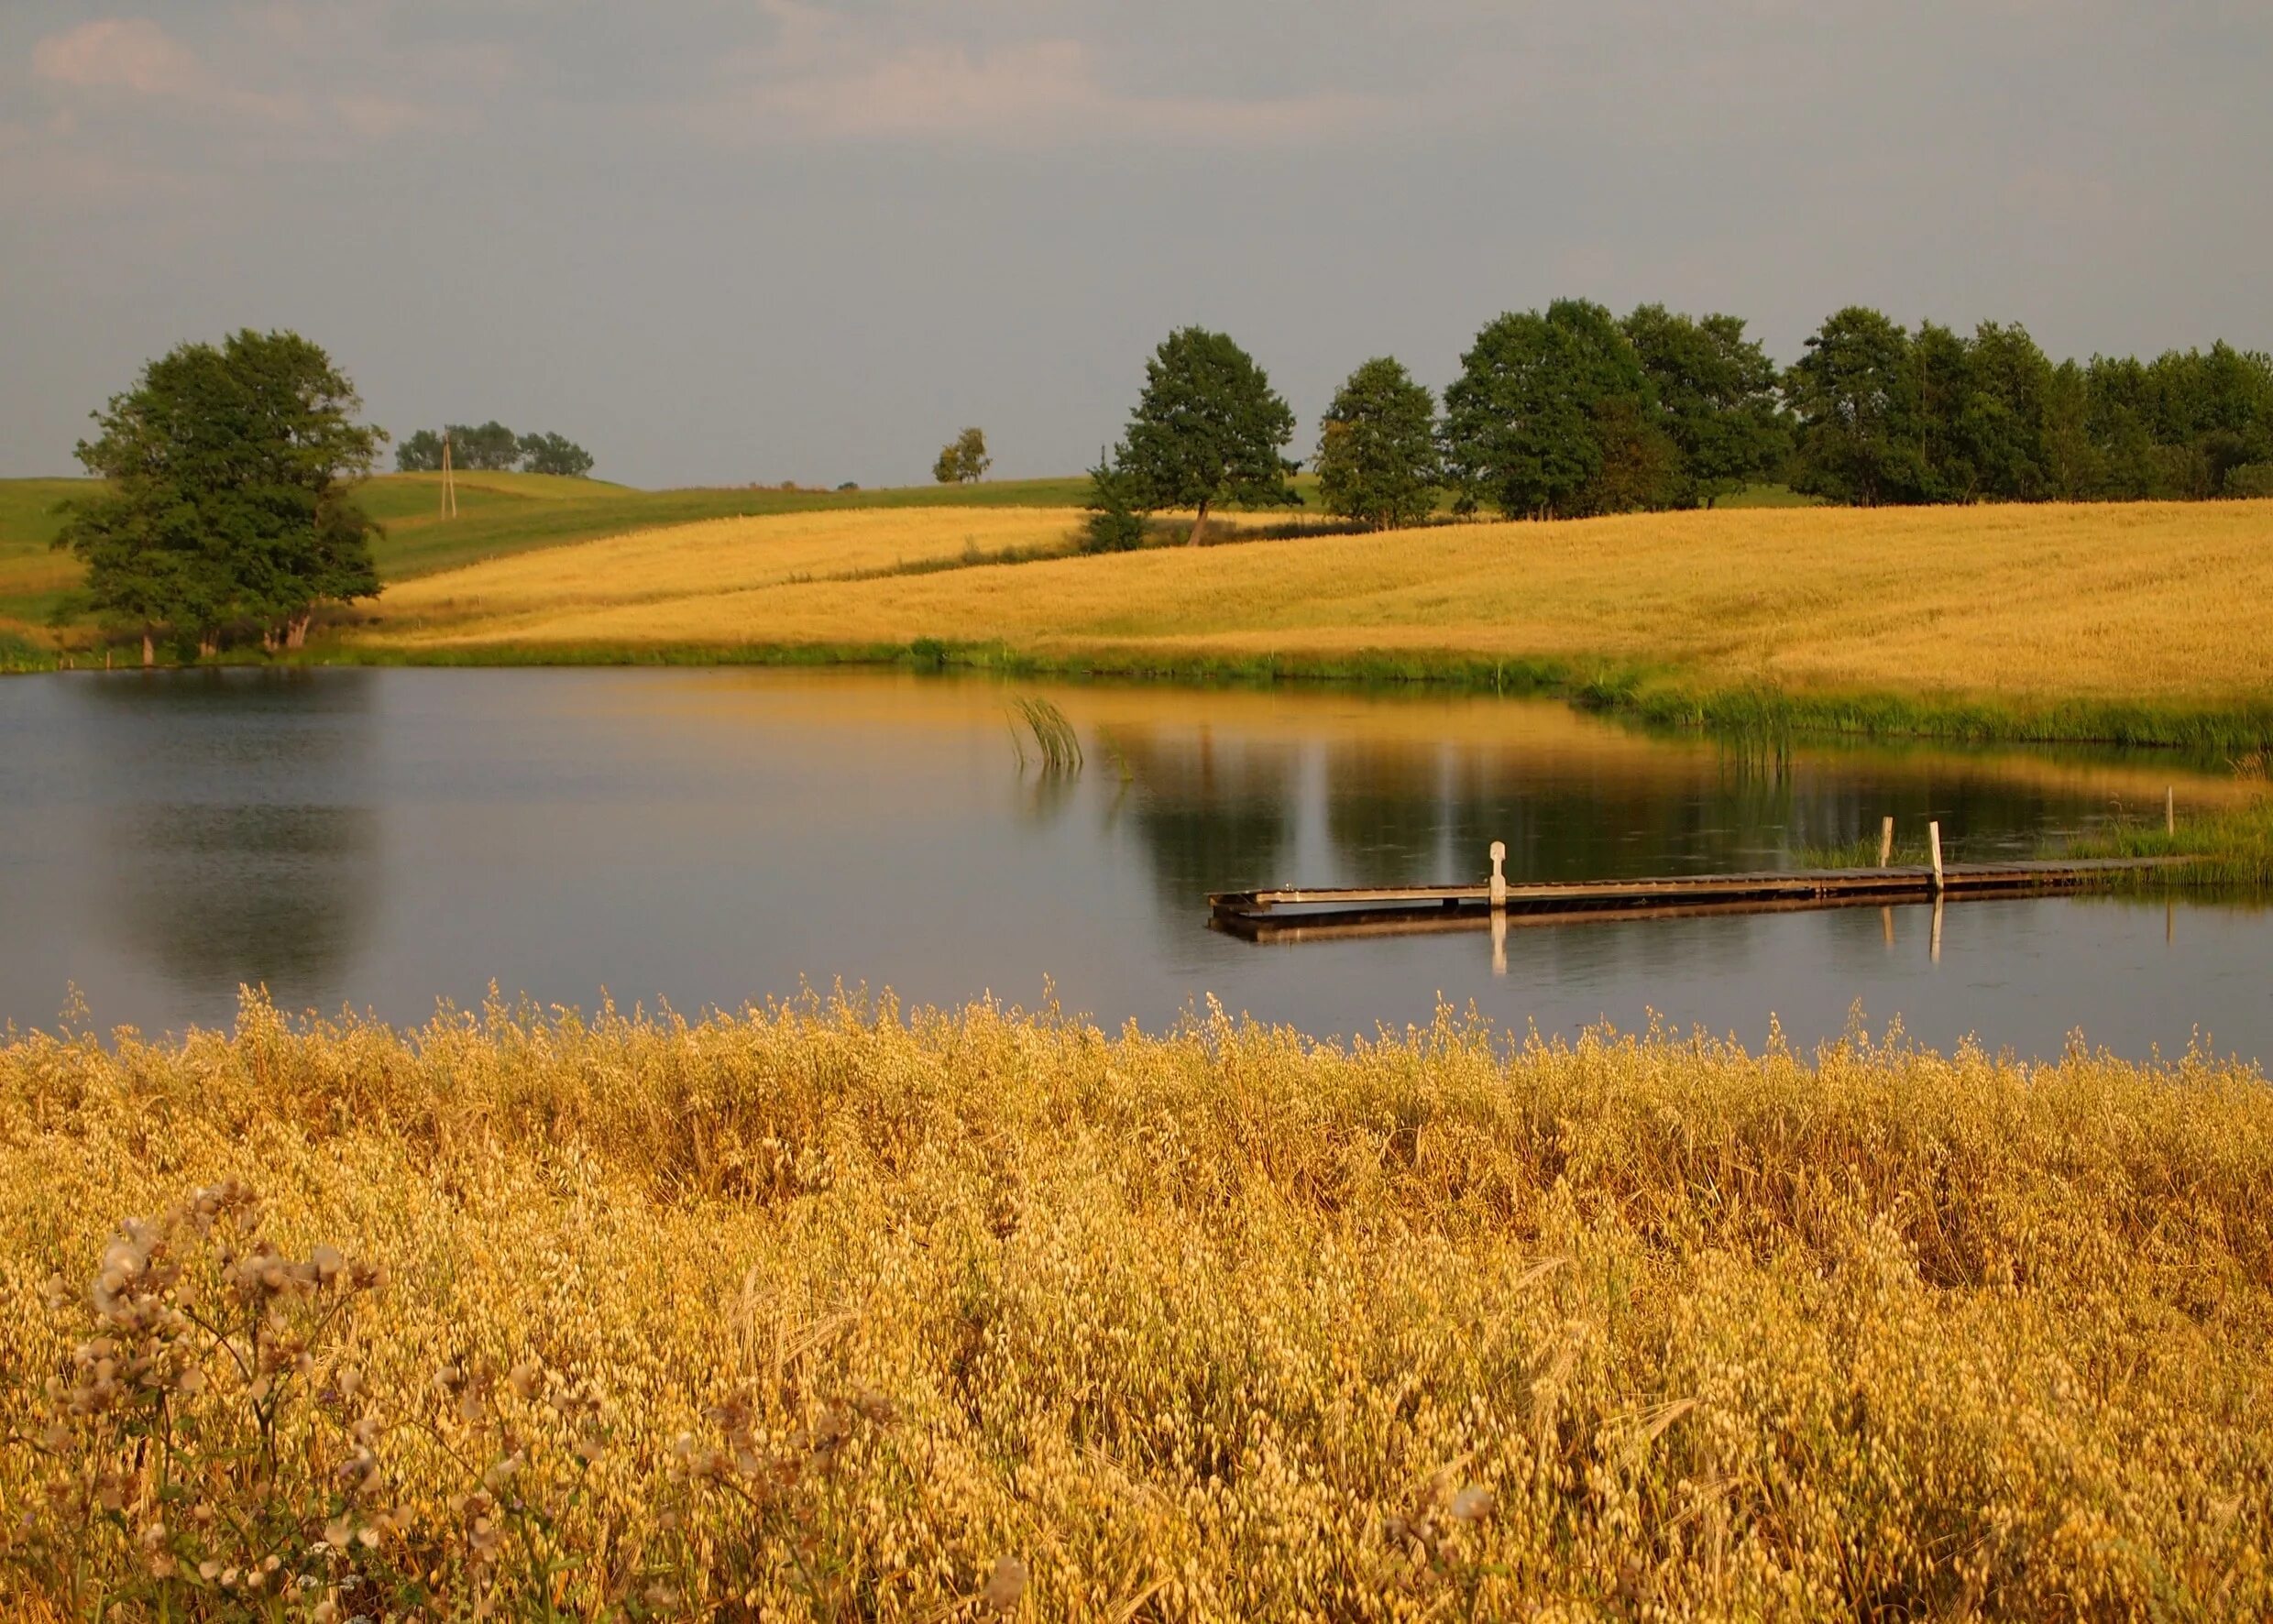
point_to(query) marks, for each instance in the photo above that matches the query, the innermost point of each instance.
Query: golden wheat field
(2140, 602)
(826, 1312)
(660, 571)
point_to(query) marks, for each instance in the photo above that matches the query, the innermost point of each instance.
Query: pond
(387, 839)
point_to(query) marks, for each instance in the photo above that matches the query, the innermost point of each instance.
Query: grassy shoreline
(834, 1311)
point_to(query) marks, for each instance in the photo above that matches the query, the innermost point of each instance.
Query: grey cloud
(773, 239)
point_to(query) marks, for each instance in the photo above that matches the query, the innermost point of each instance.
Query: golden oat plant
(832, 1311)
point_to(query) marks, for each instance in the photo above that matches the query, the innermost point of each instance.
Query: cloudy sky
(730, 240)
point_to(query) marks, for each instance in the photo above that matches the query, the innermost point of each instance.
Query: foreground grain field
(2142, 603)
(814, 1314)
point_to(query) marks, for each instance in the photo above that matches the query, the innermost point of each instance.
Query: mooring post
(1500, 941)
(1933, 840)
(1886, 841)
(1499, 877)
(2169, 809)
(1937, 946)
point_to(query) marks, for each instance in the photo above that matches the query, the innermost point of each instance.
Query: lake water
(387, 839)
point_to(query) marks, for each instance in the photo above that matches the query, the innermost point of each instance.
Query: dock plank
(1762, 886)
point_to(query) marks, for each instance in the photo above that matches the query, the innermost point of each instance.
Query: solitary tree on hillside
(963, 460)
(1377, 448)
(1208, 429)
(227, 492)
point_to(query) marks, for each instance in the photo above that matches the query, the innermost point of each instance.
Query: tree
(1543, 405)
(1208, 429)
(492, 447)
(419, 454)
(227, 492)
(553, 453)
(1717, 400)
(963, 460)
(2007, 423)
(1113, 525)
(1377, 448)
(1855, 394)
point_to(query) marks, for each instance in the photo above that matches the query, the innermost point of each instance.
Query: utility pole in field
(449, 480)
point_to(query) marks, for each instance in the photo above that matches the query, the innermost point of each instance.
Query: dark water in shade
(384, 840)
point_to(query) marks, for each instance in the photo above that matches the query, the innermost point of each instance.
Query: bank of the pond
(820, 1311)
(2231, 846)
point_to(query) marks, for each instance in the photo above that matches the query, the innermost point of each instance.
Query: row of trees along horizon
(228, 471)
(1572, 412)
(492, 448)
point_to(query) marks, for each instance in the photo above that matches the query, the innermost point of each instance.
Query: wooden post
(1500, 941)
(1933, 840)
(2169, 810)
(1887, 924)
(1498, 877)
(1937, 948)
(1885, 843)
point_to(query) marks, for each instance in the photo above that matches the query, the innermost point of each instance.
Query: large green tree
(1208, 429)
(1855, 393)
(1377, 448)
(227, 493)
(1553, 416)
(554, 454)
(419, 453)
(491, 448)
(1717, 400)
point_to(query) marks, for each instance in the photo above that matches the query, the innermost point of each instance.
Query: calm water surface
(387, 839)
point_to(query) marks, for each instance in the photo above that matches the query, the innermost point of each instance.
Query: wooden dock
(1299, 913)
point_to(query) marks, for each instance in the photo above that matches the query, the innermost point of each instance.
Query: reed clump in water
(826, 1312)
(1055, 740)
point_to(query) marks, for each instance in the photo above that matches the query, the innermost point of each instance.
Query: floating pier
(1292, 914)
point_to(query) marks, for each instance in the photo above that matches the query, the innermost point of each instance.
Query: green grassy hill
(35, 580)
(500, 513)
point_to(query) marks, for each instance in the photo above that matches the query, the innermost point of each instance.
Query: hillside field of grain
(2147, 603)
(839, 1312)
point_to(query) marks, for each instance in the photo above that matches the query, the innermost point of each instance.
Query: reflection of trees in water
(1383, 813)
(256, 893)
(240, 842)
(1213, 815)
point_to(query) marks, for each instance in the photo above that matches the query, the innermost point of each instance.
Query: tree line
(1572, 412)
(491, 448)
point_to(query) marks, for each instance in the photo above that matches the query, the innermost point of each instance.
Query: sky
(726, 241)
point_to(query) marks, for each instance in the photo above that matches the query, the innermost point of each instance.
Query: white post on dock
(1933, 841)
(1500, 941)
(1499, 877)
(1885, 843)
(2169, 809)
